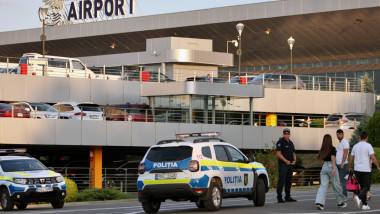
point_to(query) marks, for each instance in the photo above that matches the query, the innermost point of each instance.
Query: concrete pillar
(205, 110)
(96, 166)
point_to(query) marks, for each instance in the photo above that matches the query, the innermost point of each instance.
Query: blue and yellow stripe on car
(5, 178)
(207, 165)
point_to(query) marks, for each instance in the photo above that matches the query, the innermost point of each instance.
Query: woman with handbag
(327, 155)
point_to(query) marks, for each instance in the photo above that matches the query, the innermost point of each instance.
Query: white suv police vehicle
(203, 170)
(24, 179)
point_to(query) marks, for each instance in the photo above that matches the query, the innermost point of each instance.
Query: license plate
(19, 114)
(166, 176)
(94, 116)
(45, 189)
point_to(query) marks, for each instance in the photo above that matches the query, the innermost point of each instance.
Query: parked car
(236, 79)
(33, 64)
(206, 79)
(347, 120)
(10, 70)
(128, 112)
(80, 111)
(44, 111)
(6, 111)
(147, 76)
(272, 80)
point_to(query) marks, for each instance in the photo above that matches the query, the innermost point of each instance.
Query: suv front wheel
(151, 206)
(214, 197)
(6, 202)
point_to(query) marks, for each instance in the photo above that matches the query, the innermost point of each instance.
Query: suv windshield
(21, 165)
(178, 153)
(43, 107)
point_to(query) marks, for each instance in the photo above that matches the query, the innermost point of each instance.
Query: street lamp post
(291, 42)
(43, 11)
(239, 28)
(235, 42)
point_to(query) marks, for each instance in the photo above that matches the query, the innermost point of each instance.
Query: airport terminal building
(335, 45)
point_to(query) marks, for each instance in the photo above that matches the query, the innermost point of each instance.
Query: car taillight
(79, 114)
(130, 118)
(343, 121)
(8, 114)
(141, 168)
(193, 166)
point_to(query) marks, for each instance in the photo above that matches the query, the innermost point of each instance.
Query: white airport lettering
(165, 165)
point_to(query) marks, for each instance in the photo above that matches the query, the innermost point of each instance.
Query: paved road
(305, 204)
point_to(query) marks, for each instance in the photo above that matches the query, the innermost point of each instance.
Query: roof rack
(198, 134)
(202, 140)
(169, 141)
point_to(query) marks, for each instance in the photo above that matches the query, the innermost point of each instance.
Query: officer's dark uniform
(285, 172)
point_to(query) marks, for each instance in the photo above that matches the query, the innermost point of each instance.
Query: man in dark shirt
(286, 160)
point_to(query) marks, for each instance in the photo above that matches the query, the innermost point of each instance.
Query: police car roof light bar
(12, 150)
(199, 134)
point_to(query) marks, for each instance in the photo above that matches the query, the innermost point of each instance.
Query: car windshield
(89, 107)
(178, 153)
(21, 165)
(43, 107)
(334, 117)
(358, 117)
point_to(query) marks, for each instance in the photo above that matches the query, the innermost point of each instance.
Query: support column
(191, 108)
(213, 110)
(205, 110)
(153, 109)
(251, 111)
(96, 166)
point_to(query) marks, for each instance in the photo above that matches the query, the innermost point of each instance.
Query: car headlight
(59, 179)
(20, 180)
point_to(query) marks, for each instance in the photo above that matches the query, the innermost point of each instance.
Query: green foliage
(317, 123)
(95, 194)
(373, 129)
(367, 84)
(269, 159)
(71, 190)
(355, 138)
(375, 173)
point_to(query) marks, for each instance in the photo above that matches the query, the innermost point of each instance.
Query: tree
(367, 84)
(355, 138)
(373, 130)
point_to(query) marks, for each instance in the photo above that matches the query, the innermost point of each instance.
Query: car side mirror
(251, 159)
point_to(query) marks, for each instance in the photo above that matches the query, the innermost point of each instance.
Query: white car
(80, 111)
(344, 120)
(25, 180)
(204, 170)
(41, 110)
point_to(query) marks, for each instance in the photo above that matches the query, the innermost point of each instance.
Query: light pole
(43, 11)
(235, 42)
(291, 42)
(239, 28)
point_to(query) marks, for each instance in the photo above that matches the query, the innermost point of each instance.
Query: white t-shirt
(362, 152)
(340, 151)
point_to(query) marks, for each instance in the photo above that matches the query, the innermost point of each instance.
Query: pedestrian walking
(364, 156)
(287, 159)
(327, 154)
(342, 159)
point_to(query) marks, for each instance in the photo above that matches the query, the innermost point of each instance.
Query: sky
(23, 14)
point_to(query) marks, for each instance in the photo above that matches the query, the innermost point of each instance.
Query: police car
(203, 170)
(24, 179)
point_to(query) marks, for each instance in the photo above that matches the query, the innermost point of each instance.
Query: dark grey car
(274, 80)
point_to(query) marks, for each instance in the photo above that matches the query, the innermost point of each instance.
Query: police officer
(287, 159)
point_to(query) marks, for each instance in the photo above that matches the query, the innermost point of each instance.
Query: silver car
(344, 120)
(274, 80)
